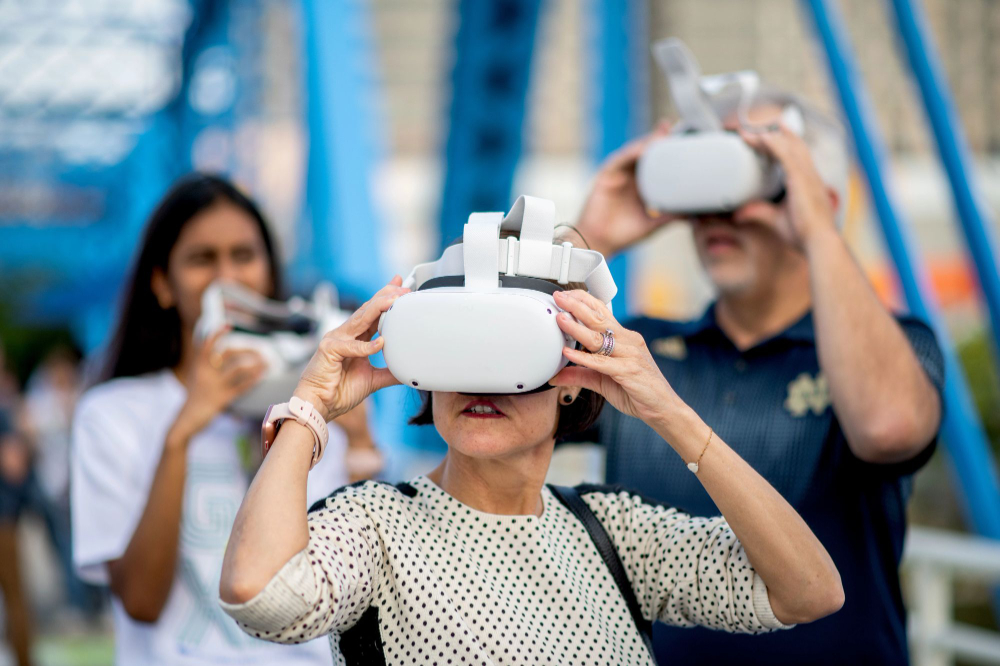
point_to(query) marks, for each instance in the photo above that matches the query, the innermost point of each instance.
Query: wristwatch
(301, 412)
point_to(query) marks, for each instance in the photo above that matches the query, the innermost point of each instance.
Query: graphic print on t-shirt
(119, 432)
(212, 497)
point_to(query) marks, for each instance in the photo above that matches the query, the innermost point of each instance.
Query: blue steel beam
(339, 239)
(85, 254)
(493, 52)
(975, 217)
(962, 429)
(209, 84)
(89, 251)
(619, 56)
(489, 85)
(339, 82)
(129, 189)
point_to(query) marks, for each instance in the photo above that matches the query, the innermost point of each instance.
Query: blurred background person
(49, 402)
(159, 466)
(10, 392)
(50, 398)
(15, 469)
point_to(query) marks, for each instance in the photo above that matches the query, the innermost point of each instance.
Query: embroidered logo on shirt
(672, 347)
(807, 393)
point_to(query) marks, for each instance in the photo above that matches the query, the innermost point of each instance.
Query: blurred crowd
(35, 434)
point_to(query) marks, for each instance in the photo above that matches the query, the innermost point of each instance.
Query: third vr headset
(700, 167)
(481, 319)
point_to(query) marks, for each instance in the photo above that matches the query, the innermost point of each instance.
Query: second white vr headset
(700, 167)
(482, 319)
(284, 333)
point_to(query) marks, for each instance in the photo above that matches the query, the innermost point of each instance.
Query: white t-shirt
(118, 436)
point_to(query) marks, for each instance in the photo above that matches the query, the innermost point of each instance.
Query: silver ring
(608, 345)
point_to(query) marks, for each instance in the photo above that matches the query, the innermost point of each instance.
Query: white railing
(933, 560)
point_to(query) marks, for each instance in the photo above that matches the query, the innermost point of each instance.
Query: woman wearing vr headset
(479, 562)
(159, 465)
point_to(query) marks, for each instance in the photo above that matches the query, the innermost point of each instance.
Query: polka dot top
(437, 582)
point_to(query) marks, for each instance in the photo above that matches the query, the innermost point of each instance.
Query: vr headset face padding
(482, 318)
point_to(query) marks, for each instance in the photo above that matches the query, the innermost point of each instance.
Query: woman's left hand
(629, 378)
(802, 581)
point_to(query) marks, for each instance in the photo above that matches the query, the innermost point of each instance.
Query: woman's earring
(567, 399)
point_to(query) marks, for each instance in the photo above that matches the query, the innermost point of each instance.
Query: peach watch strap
(301, 412)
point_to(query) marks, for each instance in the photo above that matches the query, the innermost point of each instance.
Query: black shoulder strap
(362, 644)
(571, 500)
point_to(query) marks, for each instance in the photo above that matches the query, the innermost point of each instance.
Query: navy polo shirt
(771, 404)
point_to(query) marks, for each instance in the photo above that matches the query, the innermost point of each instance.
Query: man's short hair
(823, 134)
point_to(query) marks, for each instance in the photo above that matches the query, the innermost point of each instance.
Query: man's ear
(161, 289)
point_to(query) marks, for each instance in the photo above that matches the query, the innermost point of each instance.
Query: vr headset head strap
(482, 255)
(481, 251)
(450, 263)
(684, 78)
(535, 221)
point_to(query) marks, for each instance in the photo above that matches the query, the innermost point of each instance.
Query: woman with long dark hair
(159, 465)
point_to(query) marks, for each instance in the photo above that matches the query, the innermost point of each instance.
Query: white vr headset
(700, 167)
(482, 319)
(284, 333)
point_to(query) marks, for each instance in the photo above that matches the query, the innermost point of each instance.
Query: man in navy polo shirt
(799, 367)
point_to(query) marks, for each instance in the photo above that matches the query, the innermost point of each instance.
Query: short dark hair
(147, 337)
(574, 418)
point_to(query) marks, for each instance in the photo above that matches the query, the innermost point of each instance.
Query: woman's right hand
(215, 380)
(271, 525)
(339, 376)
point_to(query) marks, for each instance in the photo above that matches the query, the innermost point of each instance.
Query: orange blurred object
(951, 279)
